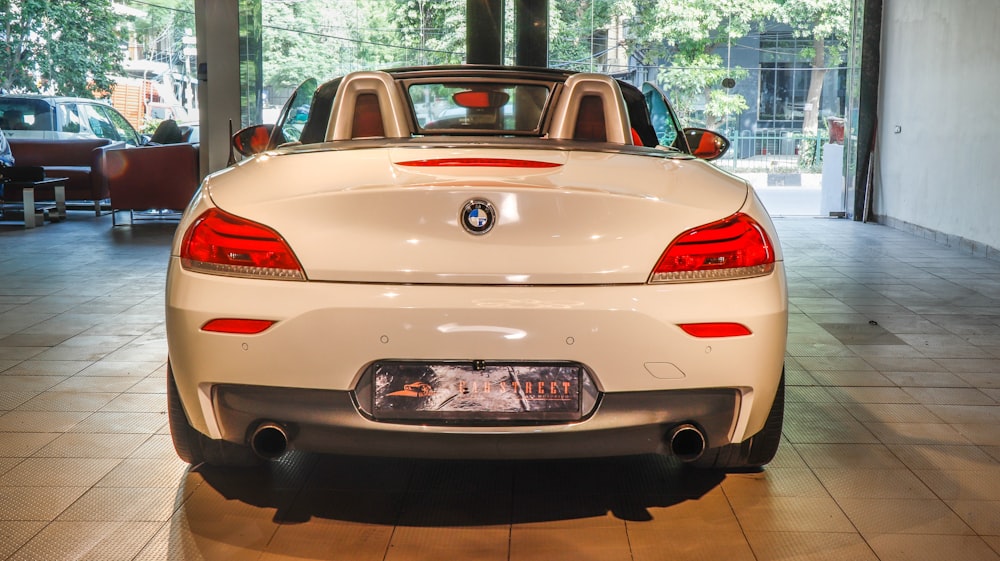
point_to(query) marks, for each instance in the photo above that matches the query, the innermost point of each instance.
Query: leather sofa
(155, 177)
(80, 161)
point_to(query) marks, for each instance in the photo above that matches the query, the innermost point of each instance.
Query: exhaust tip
(269, 440)
(686, 442)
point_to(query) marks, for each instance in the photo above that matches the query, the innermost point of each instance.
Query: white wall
(940, 84)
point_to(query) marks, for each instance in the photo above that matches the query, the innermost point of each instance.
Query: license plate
(473, 391)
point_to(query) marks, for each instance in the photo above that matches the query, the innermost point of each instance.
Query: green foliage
(827, 23)
(164, 24)
(428, 32)
(823, 19)
(574, 28)
(70, 47)
(149, 126)
(327, 38)
(658, 30)
(692, 83)
(809, 157)
(294, 45)
(681, 38)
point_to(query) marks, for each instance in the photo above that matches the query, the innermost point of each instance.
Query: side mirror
(705, 144)
(253, 139)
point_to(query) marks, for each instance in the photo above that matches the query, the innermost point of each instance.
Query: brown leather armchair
(162, 178)
(79, 160)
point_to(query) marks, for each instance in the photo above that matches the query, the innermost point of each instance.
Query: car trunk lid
(406, 215)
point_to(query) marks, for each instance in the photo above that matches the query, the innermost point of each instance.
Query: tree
(299, 42)
(827, 23)
(428, 32)
(161, 29)
(327, 38)
(69, 47)
(575, 29)
(683, 37)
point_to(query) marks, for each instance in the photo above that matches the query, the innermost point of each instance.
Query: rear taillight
(222, 244)
(734, 248)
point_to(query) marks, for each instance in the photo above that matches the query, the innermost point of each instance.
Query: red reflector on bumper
(720, 329)
(237, 326)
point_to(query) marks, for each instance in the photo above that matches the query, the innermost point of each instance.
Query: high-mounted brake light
(237, 326)
(480, 163)
(734, 248)
(220, 243)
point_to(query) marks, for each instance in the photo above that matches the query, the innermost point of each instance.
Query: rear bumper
(329, 421)
(326, 334)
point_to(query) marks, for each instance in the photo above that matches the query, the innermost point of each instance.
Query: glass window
(784, 81)
(69, 118)
(478, 107)
(122, 127)
(98, 122)
(19, 114)
(660, 115)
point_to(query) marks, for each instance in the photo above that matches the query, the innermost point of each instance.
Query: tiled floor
(891, 445)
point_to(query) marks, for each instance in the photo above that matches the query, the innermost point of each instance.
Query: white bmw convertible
(477, 262)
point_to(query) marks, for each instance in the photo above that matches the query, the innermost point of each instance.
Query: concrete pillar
(531, 21)
(871, 48)
(484, 31)
(217, 25)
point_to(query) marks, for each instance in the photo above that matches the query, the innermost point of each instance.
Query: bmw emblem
(478, 216)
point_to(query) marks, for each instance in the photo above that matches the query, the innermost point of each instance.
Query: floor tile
(86, 540)
(809, 546)
(24, 444)
(121, 422)
(873, 484)
(917, 433)
(150, 473)
(774, 482)
(83, 445)
(410, 543)
(67, 401)
(790, 514)
(58, 472)
(849, 456)
(934, 457)
(99, 384)
(14, 534)
(903, 516)
(704, 514)
(908, 547)
(890, 412)
(40, 421)
(331, 540)
(982, 484)
(670, 544)
(890, 448)
(981, 516)
(36, 503)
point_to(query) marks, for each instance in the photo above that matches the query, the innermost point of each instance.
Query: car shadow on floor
(390, 491)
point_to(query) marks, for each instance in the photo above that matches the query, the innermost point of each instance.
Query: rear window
(478, 107)
(25, 114)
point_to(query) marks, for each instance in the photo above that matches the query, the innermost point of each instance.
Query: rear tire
(196, 448)
(754, 452)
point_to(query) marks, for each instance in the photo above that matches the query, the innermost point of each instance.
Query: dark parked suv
(42, 116)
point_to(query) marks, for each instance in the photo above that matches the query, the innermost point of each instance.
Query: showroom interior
(890, 448)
